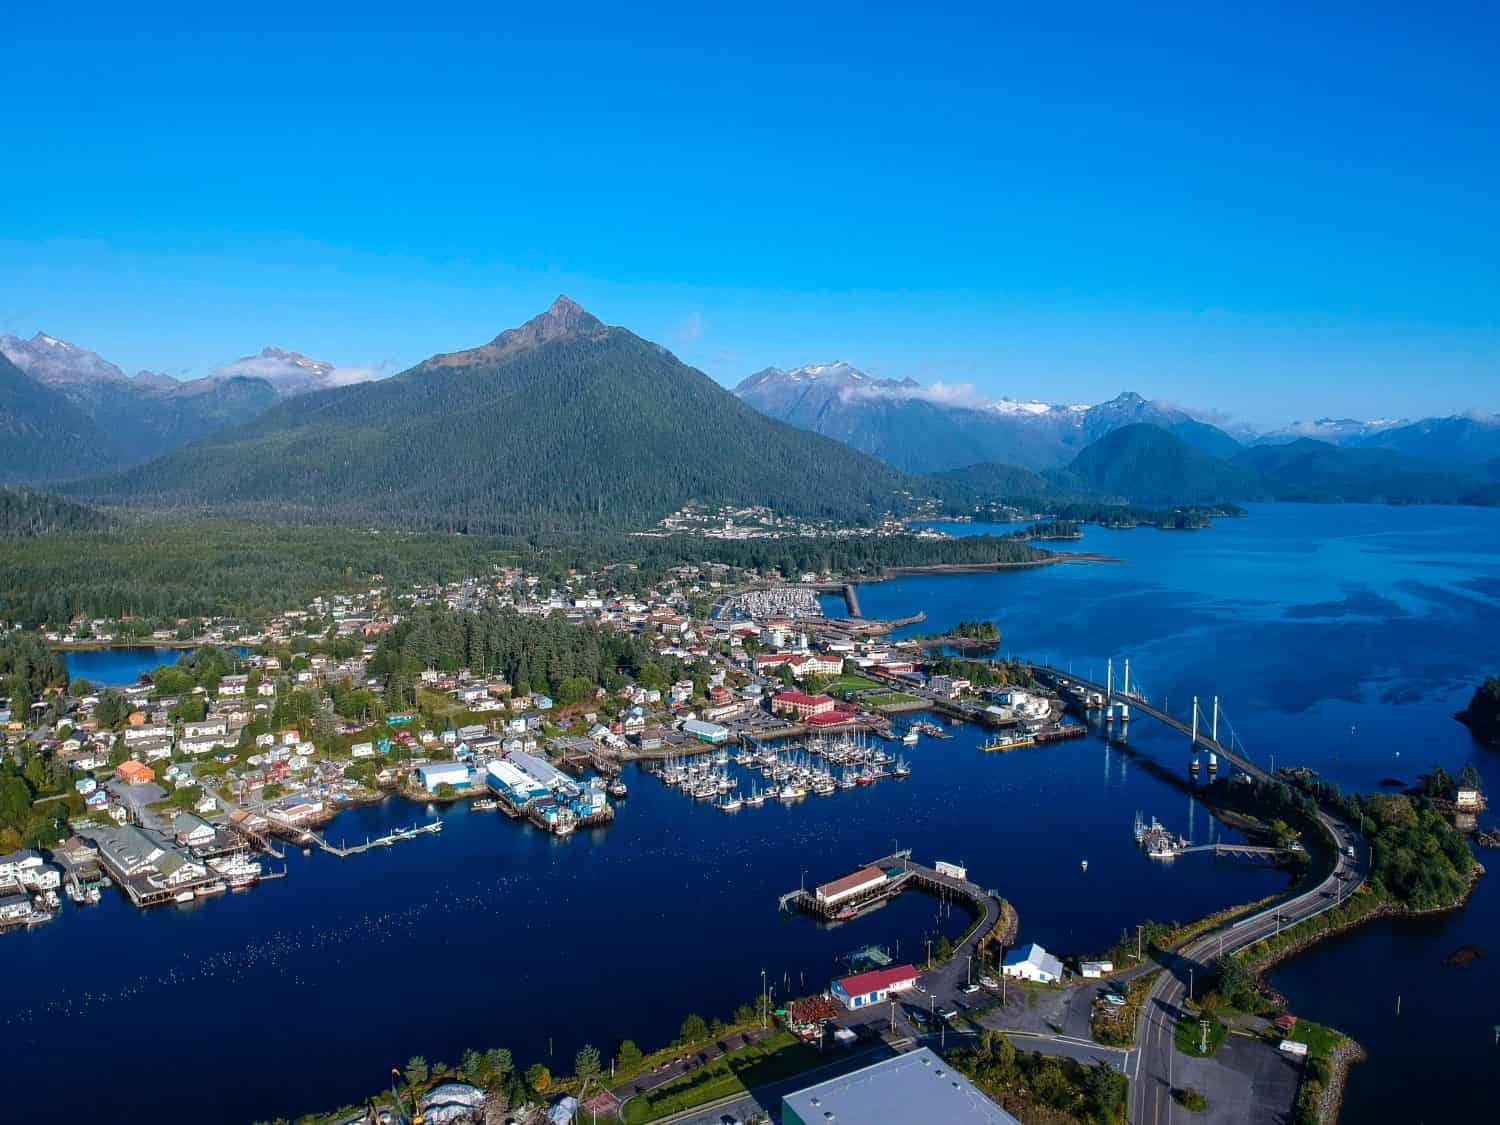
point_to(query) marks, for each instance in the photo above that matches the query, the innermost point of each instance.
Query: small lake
(121, 667)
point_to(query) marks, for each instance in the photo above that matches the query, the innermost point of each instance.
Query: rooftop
(917, 1086)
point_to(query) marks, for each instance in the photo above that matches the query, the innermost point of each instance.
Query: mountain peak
(564, 317)
(53, 360)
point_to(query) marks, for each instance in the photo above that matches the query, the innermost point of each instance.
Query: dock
(901, 873)
(386, 841)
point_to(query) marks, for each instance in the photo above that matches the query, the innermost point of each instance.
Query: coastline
(1054, 559)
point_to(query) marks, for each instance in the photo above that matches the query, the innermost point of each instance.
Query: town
(184, 784)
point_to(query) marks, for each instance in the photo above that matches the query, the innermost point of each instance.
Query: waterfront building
(1033, 963)
(863, 989)
(916, 1086)
(433, 774)
(545, 773)
(706, 732)
(863, 880)
(802, 706)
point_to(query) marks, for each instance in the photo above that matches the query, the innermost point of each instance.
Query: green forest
(161, 569)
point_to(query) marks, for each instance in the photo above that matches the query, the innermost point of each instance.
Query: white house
(1033, 963)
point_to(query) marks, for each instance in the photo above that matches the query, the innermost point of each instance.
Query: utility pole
(762, 998)
(969, 977)
(1138, 941)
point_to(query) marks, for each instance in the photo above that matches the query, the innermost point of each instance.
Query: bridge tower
(1213, 755)
(1193, 745)
(1124, 710)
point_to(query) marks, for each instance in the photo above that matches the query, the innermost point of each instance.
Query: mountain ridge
(559, 422)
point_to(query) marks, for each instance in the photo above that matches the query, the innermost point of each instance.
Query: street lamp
(763, 998)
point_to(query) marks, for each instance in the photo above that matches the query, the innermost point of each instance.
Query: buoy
(1084, 864)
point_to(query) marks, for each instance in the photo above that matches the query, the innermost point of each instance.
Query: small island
(966, 635)
(1483, 714)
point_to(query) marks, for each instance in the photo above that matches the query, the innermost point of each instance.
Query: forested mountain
(1463, 441)
(43, 436)
(990, 480)
(1313, 470)
(1148, 465)
(563, 422)
(24, 512)
(934, 429)
(99, 418)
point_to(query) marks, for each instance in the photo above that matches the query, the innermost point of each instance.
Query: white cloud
(691, 328)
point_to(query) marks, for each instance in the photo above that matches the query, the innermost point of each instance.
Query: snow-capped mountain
(943, 426)
(1336, 431)
(56, 362)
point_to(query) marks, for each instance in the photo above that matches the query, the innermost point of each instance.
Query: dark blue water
(1306, 621)
(120, 667)
(1342, 638)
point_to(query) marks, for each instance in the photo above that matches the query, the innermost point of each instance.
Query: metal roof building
(916, 1086)
(544, 772)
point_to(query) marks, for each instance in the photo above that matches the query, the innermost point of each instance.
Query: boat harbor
(819, 767)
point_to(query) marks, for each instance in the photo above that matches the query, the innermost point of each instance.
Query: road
(1151, 1096)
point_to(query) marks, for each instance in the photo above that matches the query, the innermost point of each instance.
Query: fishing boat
(730, 804)
(214, 888)
(183, 897)
(901, 769)
(792, 791)
(756, 799)
(1084, 864)
(909, 738)
(485, 804)
(617, 790)
(847, 780)
(1013, 741)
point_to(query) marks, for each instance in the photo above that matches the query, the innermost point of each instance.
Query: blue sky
(1277, 213)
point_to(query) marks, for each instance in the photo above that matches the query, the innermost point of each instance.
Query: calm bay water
(1308, 621)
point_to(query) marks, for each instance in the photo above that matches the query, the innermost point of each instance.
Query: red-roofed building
(802, 706)
(865, 879)
(864, 989)
(811, 664)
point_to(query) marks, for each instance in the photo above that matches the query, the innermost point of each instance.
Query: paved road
(1156, 1067)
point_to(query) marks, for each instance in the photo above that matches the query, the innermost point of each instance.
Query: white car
(970, 989)
(989, 982)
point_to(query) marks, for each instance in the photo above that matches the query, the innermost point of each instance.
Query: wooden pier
(902, 873)
(385, 841)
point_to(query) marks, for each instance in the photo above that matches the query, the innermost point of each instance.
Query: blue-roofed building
(916, 1086)
(505, 780)
(706, 732)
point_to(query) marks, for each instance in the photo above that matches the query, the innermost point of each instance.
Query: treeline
(28, 669)
(1416, 856)
(24, 512)
(1041, 1088)
(160, 569)
(534, 653)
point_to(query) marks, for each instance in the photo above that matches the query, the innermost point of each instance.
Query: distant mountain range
(561, 423)
(927, 429)
(82, 414)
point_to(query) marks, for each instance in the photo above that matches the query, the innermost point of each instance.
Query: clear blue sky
(1277, 212)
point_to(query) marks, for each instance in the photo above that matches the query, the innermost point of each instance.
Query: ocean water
(1336, 637)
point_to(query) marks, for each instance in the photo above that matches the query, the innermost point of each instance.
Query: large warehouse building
(916, 1086)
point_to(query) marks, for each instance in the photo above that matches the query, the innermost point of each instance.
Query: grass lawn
(1190, 1036)
(1319, 1039)
(889, 699)
(780, 1056)
(850, 683)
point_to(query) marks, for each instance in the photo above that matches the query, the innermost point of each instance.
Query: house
(135, 773)
(362, 750)
(863, 989)
(1468, 800)
(14, 908)
(192, 830)
(1095, 969)
(1033, 963)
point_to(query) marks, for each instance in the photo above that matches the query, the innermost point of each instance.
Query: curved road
(1151, 1093)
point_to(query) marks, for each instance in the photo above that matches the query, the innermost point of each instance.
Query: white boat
(183, 896)
(485, 804)
(910, 738)
(730, 804)
(215, 888)
(756, 799)
(901, 769)
(1084, 864)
